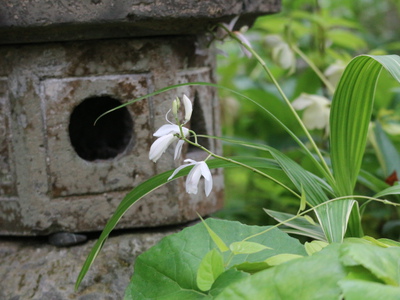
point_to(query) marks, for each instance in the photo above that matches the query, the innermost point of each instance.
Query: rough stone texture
(31, 269)
(45, 186)
(61, 20)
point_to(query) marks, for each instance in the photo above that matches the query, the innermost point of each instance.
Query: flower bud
(175, 107)
(188, 107)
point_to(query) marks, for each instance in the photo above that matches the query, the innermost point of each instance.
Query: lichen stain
(58, 191)
(126, 89)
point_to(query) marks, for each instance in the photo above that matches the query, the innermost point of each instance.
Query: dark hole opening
(198, 123)
(108, 138)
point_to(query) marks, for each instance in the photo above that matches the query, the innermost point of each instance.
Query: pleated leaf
(349, 121)
(351, 114)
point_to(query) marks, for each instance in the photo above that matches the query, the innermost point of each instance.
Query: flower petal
(315, 117)
(178, 169)
(178, 149)
(166, 129)
(193, 179)
(302, 101)
(208, 181)
(232, 23)
(188, 107)
(244, 40)
(160, 145)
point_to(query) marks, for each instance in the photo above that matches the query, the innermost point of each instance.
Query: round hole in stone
(111, 134)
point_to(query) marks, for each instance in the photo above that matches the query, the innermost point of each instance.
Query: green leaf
(389, 242)
(225, 279)
(351, 113)
(386, 152)
(217, 240)
(314, 246)
(371, 181)
(303, 200)
(170, 267)
(367, 290)
(312, 278)
(392, 190)
(381, 262)
(254, 267)
(301, 224)
(354, 227)
(349, 121)
(346, 39)
(244, 247)
(210, 268)
(281, 258)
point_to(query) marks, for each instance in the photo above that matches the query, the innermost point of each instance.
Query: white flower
(282, 54)
(245, 41)
(316, 111)
(221, 34)
(199, 169)
(167, 134)
(334, 72)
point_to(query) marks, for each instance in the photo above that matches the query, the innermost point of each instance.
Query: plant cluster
(228, 260)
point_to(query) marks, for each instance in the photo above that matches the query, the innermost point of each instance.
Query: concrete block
(59, 173)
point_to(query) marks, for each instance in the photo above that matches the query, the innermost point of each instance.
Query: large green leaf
(349, 122)
(351, 114)
(381, 262)
(151, 184)
(313, 277)
(169, 269)
(354, 268)
(366, 290)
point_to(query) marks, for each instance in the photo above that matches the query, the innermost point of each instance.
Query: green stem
(317, 71)
(244, 166)
(297, 117)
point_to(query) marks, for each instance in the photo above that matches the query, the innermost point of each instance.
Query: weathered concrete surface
(62, 20)
(31, 269)
(45, 186)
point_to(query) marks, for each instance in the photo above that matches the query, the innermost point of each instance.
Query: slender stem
(244, 166)
(297, 117)
(317, 71)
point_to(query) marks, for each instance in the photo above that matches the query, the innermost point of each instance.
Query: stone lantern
(63, 63)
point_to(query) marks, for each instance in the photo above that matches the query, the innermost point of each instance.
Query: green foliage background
(326, 31)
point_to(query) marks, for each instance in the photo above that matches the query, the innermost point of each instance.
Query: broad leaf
(210, 268)
(366, 290)
(254, 267)
(170, 268)
(314, 246)
(216, 239)
(381, 262)
(244, 247)
(313, 277)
